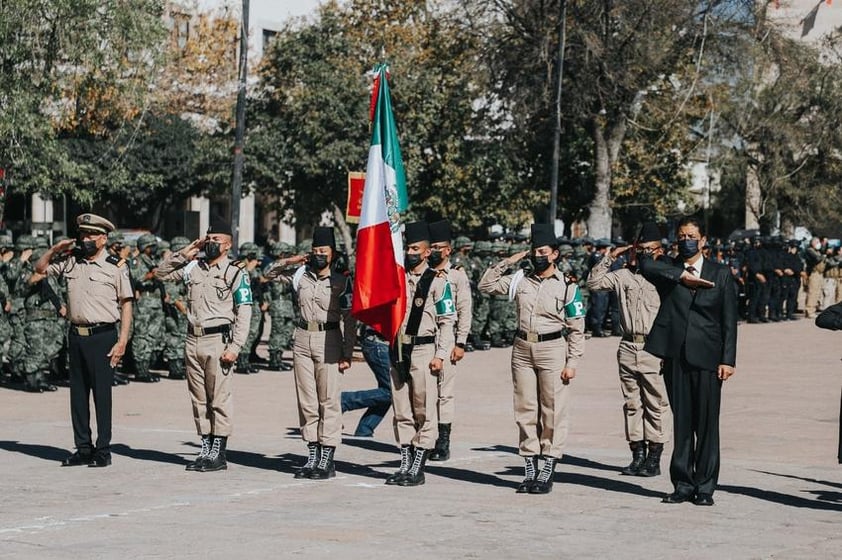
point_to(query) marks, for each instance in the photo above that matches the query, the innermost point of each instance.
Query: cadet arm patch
(575, 308)
(445, 304)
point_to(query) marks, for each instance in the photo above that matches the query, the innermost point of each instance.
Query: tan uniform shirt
(217, 294)
(326, 299)
(458, 279)
(439, 313)
(639, 300)
(95, 289)
(543, 305)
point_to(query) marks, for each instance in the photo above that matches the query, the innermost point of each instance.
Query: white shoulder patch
(296, 278)
(187, 269)
(518, 276)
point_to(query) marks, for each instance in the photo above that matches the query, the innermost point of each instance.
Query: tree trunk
(607, 141)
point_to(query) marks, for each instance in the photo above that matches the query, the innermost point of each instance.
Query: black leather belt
(316, 326)
(636, 338)
(92, 329)
(535, 337)
(417, 340)
(203, 331)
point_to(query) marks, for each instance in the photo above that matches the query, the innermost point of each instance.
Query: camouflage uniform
(502, 322)
(5, 298)
(12, 275)
(175, 322)
(282, 313)
(462, 257)
(149, 323)
(44, 328)
(482, 302)
(251, 254)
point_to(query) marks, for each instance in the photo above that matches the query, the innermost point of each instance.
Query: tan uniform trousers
(315, 364)
(541, 399)
(209, 384)
(415, 403)
(815, 284)
(446, 391)
(646, 407)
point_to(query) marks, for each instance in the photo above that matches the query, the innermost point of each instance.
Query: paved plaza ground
(780, 493)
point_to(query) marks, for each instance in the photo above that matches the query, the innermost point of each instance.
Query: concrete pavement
(780, 492)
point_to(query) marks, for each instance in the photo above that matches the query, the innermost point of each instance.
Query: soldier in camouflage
(482, 302)
(175, 322)
(6, 254)
(250, 254)
(281, 313)
(502, 322)
(12, 272)
(149, 322)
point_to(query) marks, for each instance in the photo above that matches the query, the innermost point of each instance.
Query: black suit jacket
(703, 321)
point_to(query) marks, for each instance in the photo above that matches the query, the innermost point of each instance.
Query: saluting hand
(191, 250)
(620, 250)
(62, 246)
(517, 257)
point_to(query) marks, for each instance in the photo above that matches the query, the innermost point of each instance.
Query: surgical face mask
(540, 263)
(435, 258)
(87, 247)
(317, 261)
(688, 247)
(212, 250)
(412, 260)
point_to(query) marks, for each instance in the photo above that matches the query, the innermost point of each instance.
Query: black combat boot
(442, 450)
(638, 449)
(242, 365)
(275, 362)
(406, 461)
(415, 476)
(176, 369)
(215, 460)
(544, 483)
(652, 466)
(313, 453)
(325, 469)
(530, 474)
(203, 454)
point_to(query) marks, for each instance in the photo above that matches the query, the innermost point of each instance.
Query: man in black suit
(695, 333)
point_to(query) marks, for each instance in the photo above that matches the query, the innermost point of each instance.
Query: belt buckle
(198, 331)
(313, 326)
(406, 339)
(531, 337)
(639, 338)
(83, 331)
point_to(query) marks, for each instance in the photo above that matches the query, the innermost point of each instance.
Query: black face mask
(688, 247)
(87, 248)
(317, 261)
(540, 263)
(212, 250)
(412, 260)
(435, 258)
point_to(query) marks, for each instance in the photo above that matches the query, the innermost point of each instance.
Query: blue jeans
(377, 401)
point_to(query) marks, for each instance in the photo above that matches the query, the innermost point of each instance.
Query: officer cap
(114, 237)
(94, 223)
(417, 231)
(179, 242)
(649, 232)
(146, 240)
(543, 234)
(324, 237)
(24, 241)
(440, 232)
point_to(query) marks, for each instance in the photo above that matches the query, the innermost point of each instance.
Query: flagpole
(557, 136)
(239, 131)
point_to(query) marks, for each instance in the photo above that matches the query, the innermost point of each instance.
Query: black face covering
(212, 250)
(435, 258)
(87, 247)
(540, 263)
(412, 260)
(688, 247)
(317, 261)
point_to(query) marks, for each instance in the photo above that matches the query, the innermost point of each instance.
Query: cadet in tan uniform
(646, 409)
(425, 341)
(546, 351)
(439, 259)
(99, 297)
(219, 304)
(321, 351)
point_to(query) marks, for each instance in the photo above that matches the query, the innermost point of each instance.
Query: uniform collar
(420, 270)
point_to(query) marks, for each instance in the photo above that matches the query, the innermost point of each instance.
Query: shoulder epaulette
(116, 261)
(239, 264)
(441, 273)
(458, 266)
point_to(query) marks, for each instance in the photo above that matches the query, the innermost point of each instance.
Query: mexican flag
(379, 279)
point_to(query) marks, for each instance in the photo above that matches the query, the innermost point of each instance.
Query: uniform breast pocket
(103, 283)
(223, 291)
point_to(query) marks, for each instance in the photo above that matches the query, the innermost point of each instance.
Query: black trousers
(91, 372)
(695, 397)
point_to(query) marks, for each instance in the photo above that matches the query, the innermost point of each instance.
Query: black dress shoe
(119, 380)
(703, 500)
(77, 460)
(676, 498)
(100, 460)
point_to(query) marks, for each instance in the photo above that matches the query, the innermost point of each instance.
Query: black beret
(324, 237)
(220, 226)
(416, 231)
(543, 234)
(440, 232)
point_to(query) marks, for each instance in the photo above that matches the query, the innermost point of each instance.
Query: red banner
(356, 182)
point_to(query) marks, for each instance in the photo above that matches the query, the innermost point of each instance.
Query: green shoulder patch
(575, 308)
(445, 304)
(243, 294)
